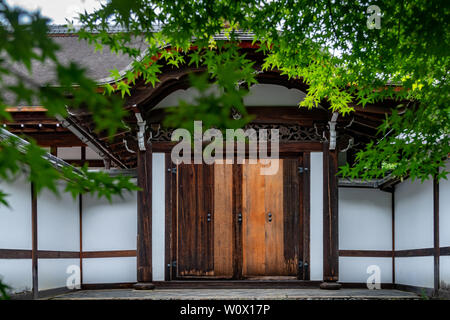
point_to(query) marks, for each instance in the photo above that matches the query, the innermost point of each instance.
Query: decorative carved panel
(287, 133)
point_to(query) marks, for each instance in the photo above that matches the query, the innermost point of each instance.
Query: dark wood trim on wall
(109, 254)
(393, 233)
(424, 252)
(144, 208)
(174, 215)
(330, 215)
(366, 253)
(284, 147)
(237, 221)
(436, 234)
(50, 254)
(34, 245)
(169, 177)
(80, 213)
(306, 204)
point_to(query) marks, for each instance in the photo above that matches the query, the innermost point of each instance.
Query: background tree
(327, 44)
(333, 46)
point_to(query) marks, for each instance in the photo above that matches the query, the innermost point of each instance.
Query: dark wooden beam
(423, 252)
(306, 206)
(80, 216)
(90, 163)
(237, 221)
(60, 139)
(144, 237)
(330, 219)
(293, 148)
(170, 184)
(34, 248)
(365, 253)
(393, 233)
(436, 234)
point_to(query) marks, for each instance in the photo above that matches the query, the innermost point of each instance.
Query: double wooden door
(232, 222)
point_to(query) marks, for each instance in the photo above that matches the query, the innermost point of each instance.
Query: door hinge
(302, 170)
(172, 170)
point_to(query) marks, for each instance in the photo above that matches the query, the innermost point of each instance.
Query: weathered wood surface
(271, 225)
(195, 228)
(223, 220)
(144, 232)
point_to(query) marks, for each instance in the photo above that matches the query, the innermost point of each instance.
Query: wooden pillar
(34, 244)
(144, 208)
(330, 219)
(436, 235)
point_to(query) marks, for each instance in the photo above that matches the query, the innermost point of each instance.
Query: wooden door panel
(292, 227)
(195, 230)
(274, 226)
(271, 243)
(223, 220)
(207, 231)
(253, 221)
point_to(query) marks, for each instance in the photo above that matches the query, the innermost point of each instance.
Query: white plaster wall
(444, 275)
(109, 270)
(415, 271)
(15, 221)
(365, 219)
(16, 273)
(316, 218)
(52, 273)
(260, 95)
(58, 221)
(92, 155)
(158, 216)
(414, 215)
(69, 153)
(354, 269)
(444, 211)
(110, 226)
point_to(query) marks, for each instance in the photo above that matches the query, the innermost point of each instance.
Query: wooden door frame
(286, 150)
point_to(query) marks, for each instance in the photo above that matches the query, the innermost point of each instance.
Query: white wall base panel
(354, 269)
(52, 273)
(109, 270)
(415, 271)
(16, 273)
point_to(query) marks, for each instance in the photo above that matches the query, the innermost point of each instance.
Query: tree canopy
(352, 51)
(346, 52)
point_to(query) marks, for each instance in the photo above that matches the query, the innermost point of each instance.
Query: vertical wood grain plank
(305, 195)
(223, 220)
(253, 224)
(34, 244)
(237, 186)
(330, 216)
(436, 234)
(169, 177)
(292, 229)
(144, 238)
(274, 233)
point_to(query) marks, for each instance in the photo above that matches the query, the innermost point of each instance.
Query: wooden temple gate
(234, 223)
